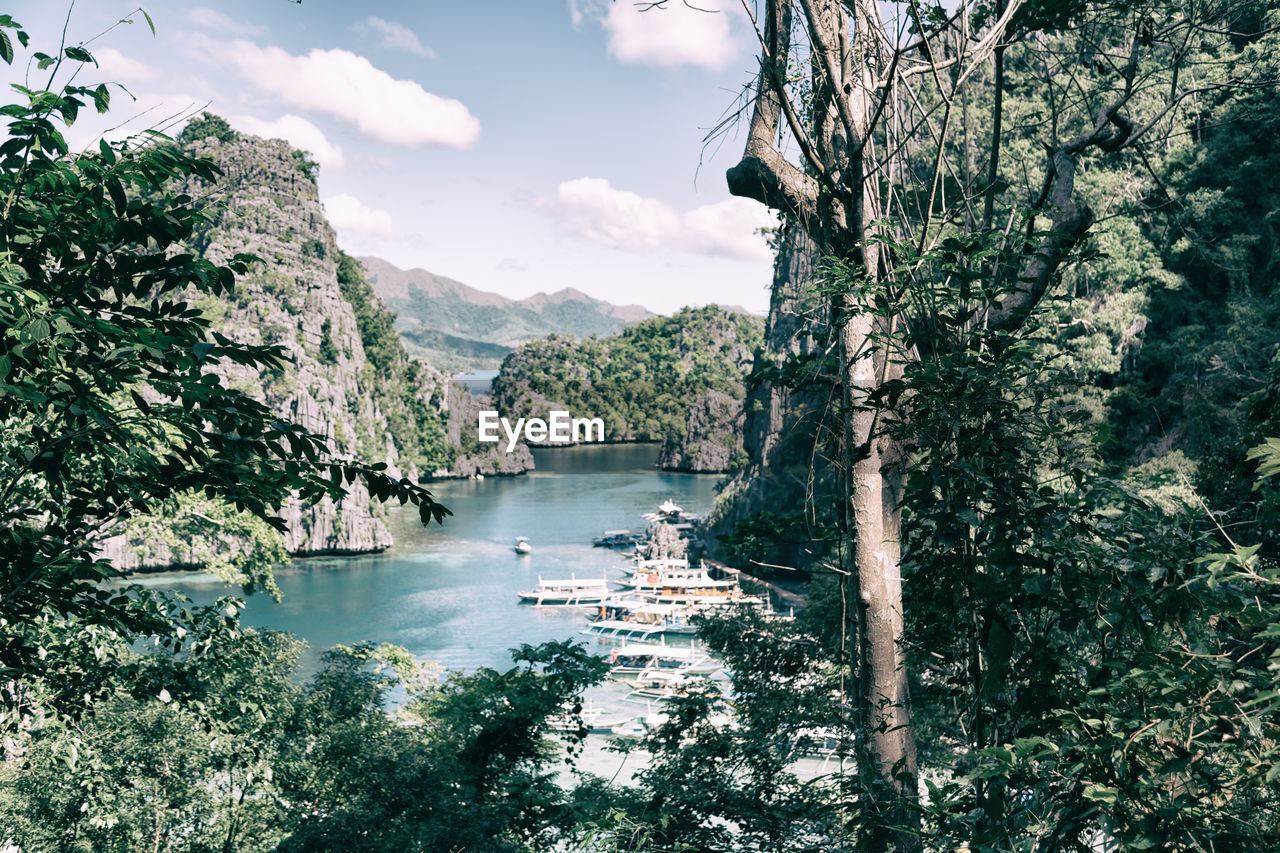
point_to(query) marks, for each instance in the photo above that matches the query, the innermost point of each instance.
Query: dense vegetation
(217, 746)
(642, 381)
(399, 384)
(1088, 543)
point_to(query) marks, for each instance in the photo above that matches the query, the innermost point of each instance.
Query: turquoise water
(448, 593)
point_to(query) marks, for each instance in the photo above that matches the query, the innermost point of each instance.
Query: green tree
(109, 401)
(859, 133)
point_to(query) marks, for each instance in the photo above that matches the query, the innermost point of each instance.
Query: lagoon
(448, 593)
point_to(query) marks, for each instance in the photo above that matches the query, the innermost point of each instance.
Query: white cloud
(348, 213)
(595, 210)
(395, 36)
(211, 19)
(348, 86)
(581, 10)
(116, 65)
(672, 35)
(299, 133)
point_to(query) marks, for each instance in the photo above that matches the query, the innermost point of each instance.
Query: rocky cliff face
(766, 509)
(267, 204)
(271, 208)
(712, 438)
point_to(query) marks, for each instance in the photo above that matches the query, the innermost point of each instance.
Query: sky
(518, 147)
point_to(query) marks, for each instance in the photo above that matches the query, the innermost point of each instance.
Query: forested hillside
(678, 380)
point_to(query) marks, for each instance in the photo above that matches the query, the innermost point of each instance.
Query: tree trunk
(887, 753)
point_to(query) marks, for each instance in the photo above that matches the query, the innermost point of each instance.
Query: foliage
(204, 126)
(109, 400)
(218, 747)
(328, 351)
(400, 382)
(642, 381)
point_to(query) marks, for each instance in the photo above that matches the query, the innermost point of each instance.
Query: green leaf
(79, 54)
(150, 23)
(117, 195)
(1102, 794)
(6, 48)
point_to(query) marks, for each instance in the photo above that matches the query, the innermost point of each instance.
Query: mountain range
(457, 327)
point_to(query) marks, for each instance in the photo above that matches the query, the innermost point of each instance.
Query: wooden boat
(638, 618)
(615, 539)
(687, 586)
(570, 592)
(636, 658)
(655, 685)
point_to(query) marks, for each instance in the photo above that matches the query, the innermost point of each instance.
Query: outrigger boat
(636, 618)
(573, 592)
(657, 685)
(637, 658)
(638, 727)
(660, 564)
(595, 720)
(689, 587)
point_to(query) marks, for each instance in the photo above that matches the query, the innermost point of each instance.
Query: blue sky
(515, 146)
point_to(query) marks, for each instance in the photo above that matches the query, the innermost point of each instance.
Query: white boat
(637, 658)
(570, 592)
(638, 727)
(637, 618)
(655, 685)
(688, 586)
(522, 545)
(595, 720)
(660, 564)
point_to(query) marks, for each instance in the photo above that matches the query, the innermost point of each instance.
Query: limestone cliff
(712, 439)
(349, 378)
(766, 511)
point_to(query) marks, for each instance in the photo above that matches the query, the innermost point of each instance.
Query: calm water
(448, 594)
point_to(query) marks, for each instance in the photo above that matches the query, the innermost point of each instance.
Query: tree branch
(763, 173)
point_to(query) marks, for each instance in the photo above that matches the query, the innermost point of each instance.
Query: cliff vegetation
(678, 380)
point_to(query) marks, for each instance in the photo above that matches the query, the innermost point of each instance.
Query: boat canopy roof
(573, 583)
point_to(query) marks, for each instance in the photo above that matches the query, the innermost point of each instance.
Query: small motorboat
(522, 545)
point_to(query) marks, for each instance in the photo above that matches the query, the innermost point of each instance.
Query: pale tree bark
(875, 97)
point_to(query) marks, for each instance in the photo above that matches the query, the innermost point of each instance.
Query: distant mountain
(455, 326)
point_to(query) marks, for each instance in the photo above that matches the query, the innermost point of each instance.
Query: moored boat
(615, 539)
(570, 592)
(636, 617)
(591, 718)
(687, 586)
(636, 658)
